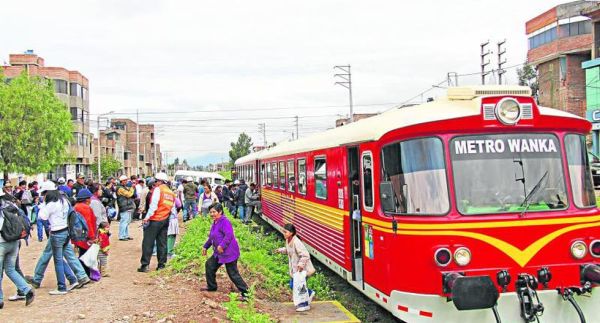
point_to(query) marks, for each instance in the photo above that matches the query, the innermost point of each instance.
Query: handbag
(90, 257)
(300, 288)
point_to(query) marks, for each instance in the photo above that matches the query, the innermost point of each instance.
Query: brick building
(112, 143)
(148, 159)
(560, 40)
(71, 88)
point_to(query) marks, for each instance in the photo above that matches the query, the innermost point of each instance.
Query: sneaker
(1, 305)
(160, 267)
(129, 238)
(73, 286)
(32, 282)
(143, 269)
(311, 296)
(16, 297)
(57, 292)
(29, 297)
(84, 281)
(303, 308)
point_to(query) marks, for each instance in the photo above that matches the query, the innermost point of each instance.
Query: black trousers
(82, 252)
(155, 232)
(212, 265)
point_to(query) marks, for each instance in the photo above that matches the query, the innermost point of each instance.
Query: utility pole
(297, 134)
(155, 162)
(262, 128)
(99, 148)
(501, 51)
(450, 76)
(137, 121)
(484, 53)
(346, 76)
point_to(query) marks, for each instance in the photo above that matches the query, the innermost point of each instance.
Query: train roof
(460, 102)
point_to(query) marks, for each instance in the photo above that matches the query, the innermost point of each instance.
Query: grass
(244, 313)
(598, 201)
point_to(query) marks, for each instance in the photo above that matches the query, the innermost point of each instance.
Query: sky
(204, 71)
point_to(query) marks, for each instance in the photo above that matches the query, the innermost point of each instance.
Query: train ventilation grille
(502, 92)
(488, 112)
(526, 111)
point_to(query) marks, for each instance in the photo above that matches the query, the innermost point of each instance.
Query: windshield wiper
(532, 193)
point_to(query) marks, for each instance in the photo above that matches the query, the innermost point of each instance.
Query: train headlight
(462, 256)
(595, 248)
(578, 249)
(442, 257)
(508, 111)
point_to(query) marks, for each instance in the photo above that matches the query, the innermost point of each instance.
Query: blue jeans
(42, 226)
(310, 291)
(42, 264)
(8, 259)
(241, 212)
(124, 224)
(61, 248)
(190, 208)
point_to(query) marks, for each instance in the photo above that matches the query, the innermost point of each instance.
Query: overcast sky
(247, 60)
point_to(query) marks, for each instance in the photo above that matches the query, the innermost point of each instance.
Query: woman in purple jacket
(225, 251)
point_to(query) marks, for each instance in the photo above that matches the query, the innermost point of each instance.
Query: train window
(302, 176)
(262, 174)
(282, 175)
(580, 171)
(415, 174)
(367, 174)
(321, 178)
(291, 178)
(274, 167)
(269, 182)
(508, 173)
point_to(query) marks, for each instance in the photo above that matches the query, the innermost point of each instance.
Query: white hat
(47, 186)
(236, 182)
(161, 177)
(189, 178)
(61, 180)
(123, 178)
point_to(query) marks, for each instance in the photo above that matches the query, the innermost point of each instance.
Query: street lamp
(99, 153)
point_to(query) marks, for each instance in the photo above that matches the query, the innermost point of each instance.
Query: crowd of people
(50, 207)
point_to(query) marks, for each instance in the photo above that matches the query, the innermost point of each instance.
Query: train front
(521, 242)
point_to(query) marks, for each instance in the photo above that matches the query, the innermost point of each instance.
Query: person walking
(207, 199)
(226, 251)
(56, 209)
(82, 206)
(125, 193)
(189, 199)
(298, 260)
(240, 199)
(156, 223)
(252, 200)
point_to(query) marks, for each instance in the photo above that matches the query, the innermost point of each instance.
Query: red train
(473, 208)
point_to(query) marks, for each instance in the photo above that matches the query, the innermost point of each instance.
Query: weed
(240, 313)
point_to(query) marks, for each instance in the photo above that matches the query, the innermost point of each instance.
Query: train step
(320, 312)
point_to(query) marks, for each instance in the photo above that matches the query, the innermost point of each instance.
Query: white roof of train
(461, 102)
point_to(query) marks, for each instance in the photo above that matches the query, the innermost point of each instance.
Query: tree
(110, 166)
(240, 148)
(35, 126)
(528, 77)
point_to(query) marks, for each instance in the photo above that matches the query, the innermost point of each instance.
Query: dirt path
(126, 295)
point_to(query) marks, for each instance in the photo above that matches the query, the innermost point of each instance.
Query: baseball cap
(61, 180)
(80, 175)
(123, 178)
(47, 186)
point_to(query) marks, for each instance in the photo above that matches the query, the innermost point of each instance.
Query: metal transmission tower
(501, 51)
(484, 53)
(346, 76)
(262, 128)
(450, 76)
(297, 133)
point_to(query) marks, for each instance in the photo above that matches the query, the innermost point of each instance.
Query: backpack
(16, 225)
(78, 229)
(27, 197)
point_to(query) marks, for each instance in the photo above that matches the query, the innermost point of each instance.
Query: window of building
(575, 28)
(84, 93)
(367, 180)
(542, 38)
(126, 155)
(141, 157)
(75, 89)
(119, 125)
(291, 178)
(282, 175)
(60, 86)
(321, 178)
(274, 174)
(563, 68)
(74, 113)
(302, 176)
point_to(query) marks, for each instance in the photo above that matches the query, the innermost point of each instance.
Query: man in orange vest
(156, 223)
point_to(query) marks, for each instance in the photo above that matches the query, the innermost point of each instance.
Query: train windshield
(508, 173)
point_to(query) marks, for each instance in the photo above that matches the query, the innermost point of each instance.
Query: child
(172, 233)
(298, 260)
(104, 239)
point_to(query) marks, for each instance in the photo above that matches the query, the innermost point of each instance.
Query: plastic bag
(90, 257)
(300, 289)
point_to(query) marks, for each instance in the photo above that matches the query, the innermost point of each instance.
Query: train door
(354, 180)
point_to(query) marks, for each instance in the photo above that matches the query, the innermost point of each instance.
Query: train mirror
(387, 196)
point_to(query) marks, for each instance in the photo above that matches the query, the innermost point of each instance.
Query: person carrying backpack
(56, 209)
(9, 249)
(82, 206)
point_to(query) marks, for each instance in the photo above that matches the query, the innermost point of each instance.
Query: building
(72, 88)
(112, 143)
(148, 159)
(218, 167)
(357, 116)
(560, 40)
(592, 78)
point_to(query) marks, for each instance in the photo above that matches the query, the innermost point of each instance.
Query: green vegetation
(35, 126)
(226, 174)
(244, 313)
(240, 148)
(110, 166)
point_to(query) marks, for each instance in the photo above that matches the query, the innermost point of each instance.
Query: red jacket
(90, 219)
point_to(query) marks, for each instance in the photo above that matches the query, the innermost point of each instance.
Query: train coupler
(530, 305)
(567, 295)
